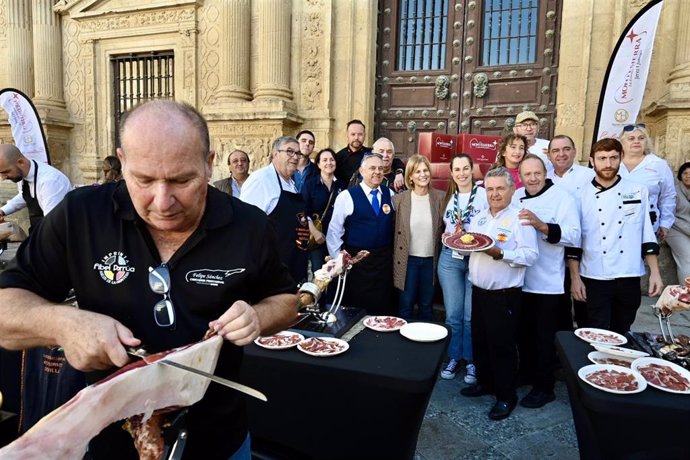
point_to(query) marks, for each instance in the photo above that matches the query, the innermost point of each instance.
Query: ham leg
(138, 388)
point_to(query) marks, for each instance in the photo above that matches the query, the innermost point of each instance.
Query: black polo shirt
(95, 243)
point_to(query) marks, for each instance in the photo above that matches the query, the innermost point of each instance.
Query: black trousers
(612, 304)
(370, 283)
(539, 321)
(495, 316)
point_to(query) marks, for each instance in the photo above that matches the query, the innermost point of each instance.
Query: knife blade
(141, 353)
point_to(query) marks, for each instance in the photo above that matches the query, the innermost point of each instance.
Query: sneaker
(451, 368)
(471, 377)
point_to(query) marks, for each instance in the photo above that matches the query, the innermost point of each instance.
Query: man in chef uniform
(616, 234)
(553, 214)
(497, 275)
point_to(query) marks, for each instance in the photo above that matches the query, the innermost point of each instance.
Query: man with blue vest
(363, 218)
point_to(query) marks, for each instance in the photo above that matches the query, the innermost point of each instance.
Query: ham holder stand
(337, 320)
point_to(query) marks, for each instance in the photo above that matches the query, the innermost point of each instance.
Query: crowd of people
(569, 244)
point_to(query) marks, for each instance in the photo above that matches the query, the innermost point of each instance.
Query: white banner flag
(27, 130)
(626, 76)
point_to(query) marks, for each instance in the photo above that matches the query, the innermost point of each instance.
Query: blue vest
(363, 228)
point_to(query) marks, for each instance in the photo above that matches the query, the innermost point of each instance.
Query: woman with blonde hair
(640, 165)
(463, 200)
(418, 227)
(511, 151)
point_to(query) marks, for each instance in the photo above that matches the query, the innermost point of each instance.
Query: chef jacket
(616, 230)
(95, 242)
(555, 207)
(654, 173)
(263, 190)
(49, 188)
(574, 179)
(519, 245)
(538, 150)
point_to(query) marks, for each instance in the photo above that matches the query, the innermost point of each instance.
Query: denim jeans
(457, 299)
(419, 288)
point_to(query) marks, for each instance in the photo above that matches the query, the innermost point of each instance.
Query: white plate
(280, 347)
(423, 332)
(377, 323)
(589, 369)
(619, 351)
(343, 346)
(621, 338)
(597, 355)
(641, 362)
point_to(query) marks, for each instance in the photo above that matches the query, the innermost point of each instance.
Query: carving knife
(141, 353)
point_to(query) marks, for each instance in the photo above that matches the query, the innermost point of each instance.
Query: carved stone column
(271, 65)
(235, 51)
(20, 72)
(47, 55)
(681, 71)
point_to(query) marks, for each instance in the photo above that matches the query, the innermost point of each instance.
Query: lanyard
(465, 216)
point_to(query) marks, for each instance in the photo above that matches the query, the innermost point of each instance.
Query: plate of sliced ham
(664, 375)
(323, 346)
(598, 357)
(600, 336)
(619, 351)
(611, 378)
(280, 341)
(384, 323)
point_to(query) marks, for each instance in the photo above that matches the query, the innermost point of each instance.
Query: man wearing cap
(272, 190)
(616, 234)
(363, 218)
(527, 124)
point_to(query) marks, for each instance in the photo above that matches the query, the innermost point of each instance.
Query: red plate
(480, 243)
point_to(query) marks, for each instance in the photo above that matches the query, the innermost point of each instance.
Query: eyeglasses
(291, 153)
(159, 282)
(530, 124)
(628, 128)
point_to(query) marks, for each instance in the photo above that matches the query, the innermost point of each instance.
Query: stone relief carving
(208, 63)
(3, 24)
(154, 18)
(480, 84)
(311, 77)
(442, 87)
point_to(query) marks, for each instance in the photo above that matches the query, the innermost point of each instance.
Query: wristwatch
(500, 255)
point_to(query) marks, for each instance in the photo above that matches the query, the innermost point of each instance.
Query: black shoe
(501, 410)
(473, 391)
(536, 399)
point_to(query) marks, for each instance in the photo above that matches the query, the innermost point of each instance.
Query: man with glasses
(238, 161)
(527, 124)
(364, 218)
(384, 147)
(273, 190)
(156, 261)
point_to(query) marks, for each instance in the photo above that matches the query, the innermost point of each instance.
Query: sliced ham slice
(675, 298)
(138, 388)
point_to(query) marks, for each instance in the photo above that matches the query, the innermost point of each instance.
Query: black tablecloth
(652, 424)
(368, 402)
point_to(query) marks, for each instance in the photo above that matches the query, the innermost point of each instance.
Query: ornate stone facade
(258, 69)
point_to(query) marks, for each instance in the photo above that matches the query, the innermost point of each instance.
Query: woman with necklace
(640, 165)
(418, 227)
(463, 200)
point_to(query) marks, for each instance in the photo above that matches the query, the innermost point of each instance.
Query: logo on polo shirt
(208, 277)
(114, 267)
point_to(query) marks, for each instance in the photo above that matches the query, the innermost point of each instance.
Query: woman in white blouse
(417, 239)
(640, 165)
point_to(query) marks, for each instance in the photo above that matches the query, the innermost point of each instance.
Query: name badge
(386, 209)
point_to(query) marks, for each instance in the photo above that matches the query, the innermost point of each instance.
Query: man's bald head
(10, 153)
(13, 165)
(169, 110)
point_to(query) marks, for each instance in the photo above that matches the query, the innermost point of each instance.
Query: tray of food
(664, 375)
(280, 341)
(384, 323)
(600, 336)
(323, 346)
